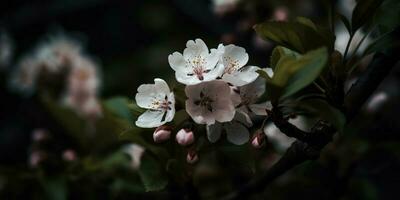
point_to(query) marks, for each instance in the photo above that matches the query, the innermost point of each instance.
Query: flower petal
(150, 119)
(195, 48)
(148, 92)
(235, 53)
(236, 133)
(242, 77)
(177, 62)
(199, 114)
(214, 132)
(260, 109)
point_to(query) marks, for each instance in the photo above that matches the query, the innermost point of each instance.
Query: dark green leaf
(151, 174)
(322, 109)
(345, 21)
(120, 106)
(385, 41)
(55, 188)
(298, 36)
(363, 12)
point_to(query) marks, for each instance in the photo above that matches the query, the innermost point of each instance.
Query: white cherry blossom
(196, 64)
(209, 102)
(159, 101)
(236, 131)
(249, 96)
(234, 59)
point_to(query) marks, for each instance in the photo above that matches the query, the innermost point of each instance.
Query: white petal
(236, 53)
(242, 77)
(199, 114)
(195, 48)
(185, 79)
(253, 90)
(260, 109)
(148, 92)
(214, 73)
(150, 119)
(236, 133)
(177, 62)
(171, 113)
(243, 118)
(214, 132)
(212, 59)
(223, 110)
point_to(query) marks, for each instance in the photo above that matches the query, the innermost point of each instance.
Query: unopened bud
(258, 139)
(192, 157)
(185, 137)
(162, 133)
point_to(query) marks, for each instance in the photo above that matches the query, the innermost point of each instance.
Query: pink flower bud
(258, 139)
(185, 137)
(162, 133)
(69, 155)
(36, 157)
(192, 157)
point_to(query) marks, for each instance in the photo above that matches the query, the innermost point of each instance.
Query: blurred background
(108, 49)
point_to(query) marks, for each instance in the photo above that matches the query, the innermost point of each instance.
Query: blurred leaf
(385, 41)
(293, 74)
(120, 106)
(363, 12)
(322, 109)
(387, 17)
(306, 22)
(345, 21)
(55, 188)
(298, 36)
(151, 174)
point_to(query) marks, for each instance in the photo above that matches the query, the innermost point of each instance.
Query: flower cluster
(222, 93)
(61, 60)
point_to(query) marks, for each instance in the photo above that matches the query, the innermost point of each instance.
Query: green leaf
(120, 106)
(306, 22)
(345, 21)
(280, 52)
(322, 109)
(151, 174)
(363, 12)
(298, 36)
(55, 188)
(387, 17)
(385, 41)
(293, 74)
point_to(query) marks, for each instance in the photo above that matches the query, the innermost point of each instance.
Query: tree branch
(308, 145)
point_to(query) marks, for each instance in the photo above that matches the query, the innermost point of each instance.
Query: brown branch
(308, 145)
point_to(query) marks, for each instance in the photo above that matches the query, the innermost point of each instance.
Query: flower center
(197, 64)
(232, 66)
(161, 104)
(205, 102)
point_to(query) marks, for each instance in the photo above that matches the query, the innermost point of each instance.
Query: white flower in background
(6, 49)
(135, 152)
(236, 130)
(159, 101)
(224, 6)
(249, 95)
(55, 54)
(82, 88)
(234, 58)
(196, 64)
(209, 102)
